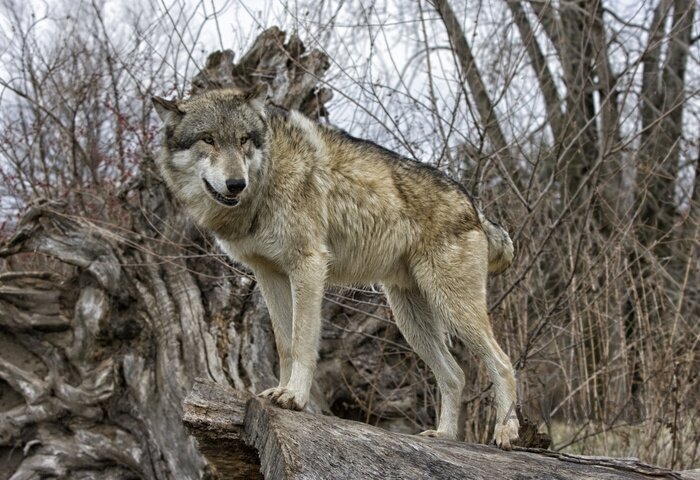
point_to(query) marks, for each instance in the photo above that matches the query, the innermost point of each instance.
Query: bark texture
(299, 445)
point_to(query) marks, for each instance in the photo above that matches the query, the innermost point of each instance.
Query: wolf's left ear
(257, 95)
(168, 110)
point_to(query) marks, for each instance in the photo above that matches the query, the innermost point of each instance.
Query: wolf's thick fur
(319, 206)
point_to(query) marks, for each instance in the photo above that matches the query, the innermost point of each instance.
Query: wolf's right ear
(256, 97)
(168, 110)
(258, 94)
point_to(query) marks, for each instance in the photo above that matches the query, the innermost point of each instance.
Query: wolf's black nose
(235, 185)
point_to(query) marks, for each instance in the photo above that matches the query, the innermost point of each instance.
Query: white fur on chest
(253, 253)
(238, 250)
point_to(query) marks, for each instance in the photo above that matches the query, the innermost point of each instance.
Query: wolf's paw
(285, 398)
(437, 434)
(505, 434)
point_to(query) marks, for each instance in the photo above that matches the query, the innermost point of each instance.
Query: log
(247, 437)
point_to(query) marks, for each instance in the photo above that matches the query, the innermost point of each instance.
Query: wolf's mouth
(222, 199)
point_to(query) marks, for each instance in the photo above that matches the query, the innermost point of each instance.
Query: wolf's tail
(500, 245)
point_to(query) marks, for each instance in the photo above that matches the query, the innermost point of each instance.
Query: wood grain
(300, 445)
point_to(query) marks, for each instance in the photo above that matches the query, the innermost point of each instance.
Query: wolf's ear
(257, 95)
(168, 110)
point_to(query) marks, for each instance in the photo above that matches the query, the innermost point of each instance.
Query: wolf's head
(215, 145)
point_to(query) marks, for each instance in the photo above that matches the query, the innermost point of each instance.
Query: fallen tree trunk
(243, 435)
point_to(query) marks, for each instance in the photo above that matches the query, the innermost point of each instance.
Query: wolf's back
(500, 245)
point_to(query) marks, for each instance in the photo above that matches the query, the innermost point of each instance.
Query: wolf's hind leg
(427, 338)
(454, 279)
(277, 293)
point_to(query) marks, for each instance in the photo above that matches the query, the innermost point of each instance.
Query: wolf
(304, 205)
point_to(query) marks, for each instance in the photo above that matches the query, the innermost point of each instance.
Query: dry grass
(651, 442)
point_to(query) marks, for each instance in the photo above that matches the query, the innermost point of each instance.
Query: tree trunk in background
(470, 70)
(104, 330)
(663, 95)
(576, 41)
(582, 151)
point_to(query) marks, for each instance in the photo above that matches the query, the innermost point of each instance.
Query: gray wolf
(304, 205)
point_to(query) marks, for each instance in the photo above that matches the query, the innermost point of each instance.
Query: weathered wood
(300, 445)
(294, 86)
(215, 415)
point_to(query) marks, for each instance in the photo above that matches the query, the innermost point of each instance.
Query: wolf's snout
(235, 185)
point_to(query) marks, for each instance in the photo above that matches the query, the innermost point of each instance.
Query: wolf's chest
(248, 251)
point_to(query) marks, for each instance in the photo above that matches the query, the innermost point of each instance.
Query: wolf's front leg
(307, 282)
(276, 290)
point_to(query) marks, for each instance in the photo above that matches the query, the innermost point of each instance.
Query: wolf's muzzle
(226, 200)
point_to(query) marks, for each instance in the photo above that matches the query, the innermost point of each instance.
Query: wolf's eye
(208, 139)
(244, 139)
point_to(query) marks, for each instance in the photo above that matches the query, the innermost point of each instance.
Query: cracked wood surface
(241, 434)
